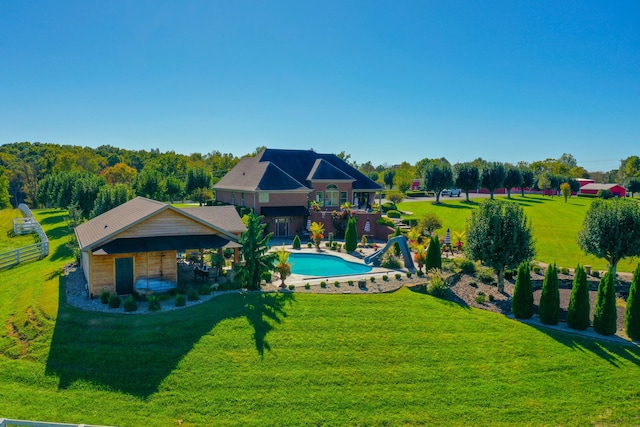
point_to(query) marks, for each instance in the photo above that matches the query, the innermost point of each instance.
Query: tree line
(52, 175)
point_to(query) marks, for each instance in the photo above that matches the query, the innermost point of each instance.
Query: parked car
(451, 192)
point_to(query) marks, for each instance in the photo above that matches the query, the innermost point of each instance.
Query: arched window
(333, 195)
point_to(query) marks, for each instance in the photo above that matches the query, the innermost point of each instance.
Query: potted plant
(317, 233)
(282, 267)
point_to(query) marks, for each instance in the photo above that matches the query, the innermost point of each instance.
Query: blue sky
(384, 81)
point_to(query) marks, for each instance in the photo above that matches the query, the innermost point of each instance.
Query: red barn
(617, 189)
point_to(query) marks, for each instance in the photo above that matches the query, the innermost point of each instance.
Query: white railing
(27, 224)
(7, 422)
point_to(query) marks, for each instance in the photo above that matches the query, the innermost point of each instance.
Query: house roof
(292, 170)
(107, 226)
(594, 186)
(224, 217)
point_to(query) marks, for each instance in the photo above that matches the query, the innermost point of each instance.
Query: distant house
(281, 184)
(140, 239)
(593, 188)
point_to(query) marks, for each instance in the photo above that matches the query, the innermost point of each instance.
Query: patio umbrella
(367, 226)
(447, 238)
(309, 224)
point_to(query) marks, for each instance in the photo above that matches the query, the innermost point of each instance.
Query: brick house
(282, 184)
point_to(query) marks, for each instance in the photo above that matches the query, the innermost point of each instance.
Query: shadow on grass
(607, 348)
(452, 299)
(54, 219)
(134, 354)
(62, 251)
(58, 232)
(461, 205)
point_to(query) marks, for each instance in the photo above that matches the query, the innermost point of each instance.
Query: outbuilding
(593, 188)
(139, 241)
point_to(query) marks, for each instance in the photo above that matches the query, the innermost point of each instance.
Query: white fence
(6, 422)
(27, 224)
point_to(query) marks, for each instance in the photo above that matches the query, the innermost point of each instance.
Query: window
(263, 197)
(233, 198)
(343, 198)
(320, 198)
(241, 199)
(332, 195)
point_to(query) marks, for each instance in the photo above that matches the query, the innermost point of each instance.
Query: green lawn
(8, 243)
(293, 359)
(555, 226)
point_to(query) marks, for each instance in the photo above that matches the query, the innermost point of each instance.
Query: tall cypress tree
(434, 255)
(632, 314)
(522, 302)
(351, 236)
(549, 309)
(605, 315)
(579, 304)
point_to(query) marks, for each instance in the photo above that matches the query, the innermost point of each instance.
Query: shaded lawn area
(240, 359)
(298, 359)
(555, 226)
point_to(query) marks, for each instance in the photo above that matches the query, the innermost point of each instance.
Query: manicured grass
(7, 242)
(295, 359)
(555, 226)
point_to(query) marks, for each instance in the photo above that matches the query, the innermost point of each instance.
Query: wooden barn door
(124, 276)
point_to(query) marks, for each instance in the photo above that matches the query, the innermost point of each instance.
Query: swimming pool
(324, 265)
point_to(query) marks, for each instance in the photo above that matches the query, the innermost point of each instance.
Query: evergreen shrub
(154, 303)
(104, 296)
(130, 304)
(605, 314)
(632, 312)
(434, 255)
(522, 301)
(181, 300)
(467, 266)
(394, 213)
(193, 295)
(114, 301)
(549, 308)
(579, 303)
(296, 242)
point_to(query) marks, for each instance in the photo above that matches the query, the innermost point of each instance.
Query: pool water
(324, 265)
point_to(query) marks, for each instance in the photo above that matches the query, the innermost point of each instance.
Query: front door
(282, 227)
(124, 276)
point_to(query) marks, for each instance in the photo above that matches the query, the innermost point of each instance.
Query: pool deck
(299, 280)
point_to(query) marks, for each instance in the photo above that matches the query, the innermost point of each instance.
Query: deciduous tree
(513, 179)
(467, 177)
(565, 189)
(499, 235)
(611, 230)
(437, 176)
(493, 176)
(4, 191)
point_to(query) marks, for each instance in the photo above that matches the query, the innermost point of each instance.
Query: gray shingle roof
(108, 225)
(292, 170)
